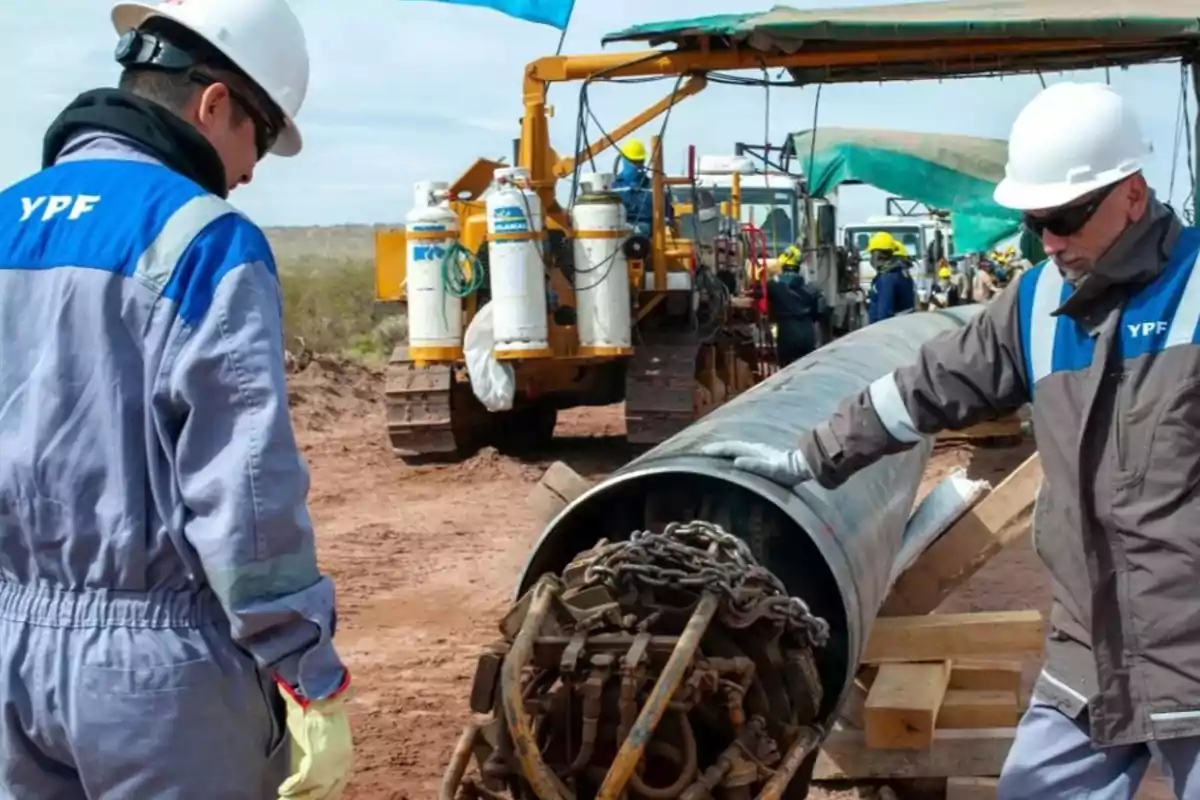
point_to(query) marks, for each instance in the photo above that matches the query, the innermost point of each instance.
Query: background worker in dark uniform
(793, 307)
(945, 293)
(634, 185)
(892, 289)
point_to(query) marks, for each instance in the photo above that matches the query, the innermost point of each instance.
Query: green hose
(455, 279)
(454, 276)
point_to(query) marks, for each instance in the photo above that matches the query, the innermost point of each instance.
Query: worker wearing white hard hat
(165, 631)
(1102, 341)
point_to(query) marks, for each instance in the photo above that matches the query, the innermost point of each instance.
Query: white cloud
(404, 91)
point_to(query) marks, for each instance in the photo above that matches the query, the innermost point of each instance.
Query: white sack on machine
(493, 382)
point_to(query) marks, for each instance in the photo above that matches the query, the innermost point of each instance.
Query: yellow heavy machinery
(583, 310)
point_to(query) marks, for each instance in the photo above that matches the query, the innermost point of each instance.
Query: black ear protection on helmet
(137, 48)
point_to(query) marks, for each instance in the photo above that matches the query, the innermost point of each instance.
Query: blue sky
(404, 90)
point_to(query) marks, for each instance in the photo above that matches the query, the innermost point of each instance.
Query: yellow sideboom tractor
(576, 308)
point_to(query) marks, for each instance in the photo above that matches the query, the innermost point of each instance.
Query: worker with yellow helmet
(945, 294)
(892, 289)
(790, 258)
(633, 184)
(794, 309)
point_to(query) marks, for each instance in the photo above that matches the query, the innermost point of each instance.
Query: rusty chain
(702, 556)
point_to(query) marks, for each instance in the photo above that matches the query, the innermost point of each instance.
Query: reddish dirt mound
(327, 391)
(487, 464)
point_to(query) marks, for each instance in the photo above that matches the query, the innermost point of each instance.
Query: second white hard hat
(262, 37)
(1070, 140)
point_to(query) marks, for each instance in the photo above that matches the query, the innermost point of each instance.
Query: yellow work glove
(322, 747)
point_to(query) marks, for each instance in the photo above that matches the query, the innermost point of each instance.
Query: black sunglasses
(1068, 221)
(266, 133)
(139, 48)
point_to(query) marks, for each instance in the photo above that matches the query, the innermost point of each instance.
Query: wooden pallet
(938, 696)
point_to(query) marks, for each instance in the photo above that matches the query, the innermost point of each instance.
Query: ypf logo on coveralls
(1140, 329)
(55, 204)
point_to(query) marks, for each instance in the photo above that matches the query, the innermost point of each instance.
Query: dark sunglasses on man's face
(265, 132)
(1070, 220)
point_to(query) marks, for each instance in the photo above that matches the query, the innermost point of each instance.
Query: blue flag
(555, 13)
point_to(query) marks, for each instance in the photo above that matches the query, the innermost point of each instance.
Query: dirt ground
(425, 559)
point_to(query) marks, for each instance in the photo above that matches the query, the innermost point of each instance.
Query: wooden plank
(987, 675)
(999, 675)
(967, 708)
(978, 752)
(995, 522)
(937, 637)
(1005, 426)
(901, 710)
(555, 490)
(960, 788)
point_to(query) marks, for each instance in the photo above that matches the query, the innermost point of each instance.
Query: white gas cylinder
(516, 267)
(602, 300)
(434, 314)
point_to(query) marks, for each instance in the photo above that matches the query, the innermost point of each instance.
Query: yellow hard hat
(882, 241)
(634, 150)
(944, 272)
(900, 249)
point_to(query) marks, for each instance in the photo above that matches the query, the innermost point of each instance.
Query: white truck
(928, 238)
(776, 203)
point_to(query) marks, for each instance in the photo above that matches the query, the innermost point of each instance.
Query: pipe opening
(652, 500)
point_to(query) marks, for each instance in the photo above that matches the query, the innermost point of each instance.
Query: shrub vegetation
(329, 307)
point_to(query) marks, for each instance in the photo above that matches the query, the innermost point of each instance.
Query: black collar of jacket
(1136, 258)
(151, 127)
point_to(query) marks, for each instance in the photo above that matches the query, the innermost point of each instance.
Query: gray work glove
(785, 467)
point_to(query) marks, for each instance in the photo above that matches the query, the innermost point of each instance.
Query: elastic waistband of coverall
(51, 606)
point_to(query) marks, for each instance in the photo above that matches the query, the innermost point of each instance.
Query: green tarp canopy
(1062, 34)
(943, 171)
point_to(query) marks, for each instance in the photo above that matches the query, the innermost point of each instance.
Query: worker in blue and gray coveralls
(164, 630)
(1103, 339)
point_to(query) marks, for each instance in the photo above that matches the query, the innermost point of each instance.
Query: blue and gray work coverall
(157, 562)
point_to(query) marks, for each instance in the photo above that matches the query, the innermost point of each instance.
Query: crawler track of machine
(433, 415)
(660, 387)
(418, 406)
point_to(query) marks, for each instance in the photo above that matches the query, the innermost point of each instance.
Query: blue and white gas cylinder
(435, 315)
(516, 266)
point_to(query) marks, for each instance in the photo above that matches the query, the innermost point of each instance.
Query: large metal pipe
(834, 549)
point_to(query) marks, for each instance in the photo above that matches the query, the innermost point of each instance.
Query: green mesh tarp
(782, 28)
(1006, 36)
(944, 171)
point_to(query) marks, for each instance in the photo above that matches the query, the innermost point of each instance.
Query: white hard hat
(262, 37)
(1071, 139)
